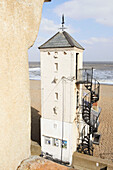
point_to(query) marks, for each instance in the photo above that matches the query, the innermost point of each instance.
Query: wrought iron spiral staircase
(90, 116)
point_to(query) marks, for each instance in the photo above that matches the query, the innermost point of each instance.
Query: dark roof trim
(60, 47)
(47, 1)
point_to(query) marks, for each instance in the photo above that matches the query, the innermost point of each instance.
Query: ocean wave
(104, 75)
(35, 78)
(102, 81)
(34, 69)
(106, 83)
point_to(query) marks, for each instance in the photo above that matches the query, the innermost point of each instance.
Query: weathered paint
(19, 24)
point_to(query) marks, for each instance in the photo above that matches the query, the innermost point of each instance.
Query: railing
(95, 113)
(86, 108)
(95, 87)
(94, 118)
(84, 75)
(83, 131)
(95, 84)
(89, 115)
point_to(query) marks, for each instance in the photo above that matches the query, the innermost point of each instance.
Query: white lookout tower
(61, 96)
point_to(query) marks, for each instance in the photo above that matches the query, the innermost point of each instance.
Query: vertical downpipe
(77, 66)
(90, 129)
(62, 118)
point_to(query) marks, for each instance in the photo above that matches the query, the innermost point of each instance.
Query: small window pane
(64, 144)
(56, 66)
(77, 106)
(56, 96)
(55, 110)
(56, 55)
(56, 142)
(47, 141)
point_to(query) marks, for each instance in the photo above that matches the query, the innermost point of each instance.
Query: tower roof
(61, 40)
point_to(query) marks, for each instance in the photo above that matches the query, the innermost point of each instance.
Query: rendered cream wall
(48, 73)
(19, 23)
(56, 132)
(66, 103)
(66, 68)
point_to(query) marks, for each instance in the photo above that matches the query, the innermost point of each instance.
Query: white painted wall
(66, 103)
(54, 130)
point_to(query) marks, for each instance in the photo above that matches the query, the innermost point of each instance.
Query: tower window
(56, 66)
(77, 100)
(56, 96)
(55, 80)
(55, 110)
(56, 55)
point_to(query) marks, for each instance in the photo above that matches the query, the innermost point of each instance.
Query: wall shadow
(35, 126)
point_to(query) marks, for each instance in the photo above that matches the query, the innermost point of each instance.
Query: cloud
(98, 49)
(99, 10)
(95, 40)
(50, 27)
(47, 29)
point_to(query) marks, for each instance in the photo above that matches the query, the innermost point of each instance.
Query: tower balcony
(84, 76)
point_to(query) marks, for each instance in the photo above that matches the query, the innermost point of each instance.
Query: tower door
(77, 54)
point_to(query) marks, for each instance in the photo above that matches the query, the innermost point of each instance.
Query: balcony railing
(90, 110)
(95, 89)
(94, 117)
(84, 76)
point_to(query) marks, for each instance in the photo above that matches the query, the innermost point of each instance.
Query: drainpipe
(62, 117)
(90, 129)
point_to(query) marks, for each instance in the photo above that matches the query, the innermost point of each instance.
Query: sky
(89, 22)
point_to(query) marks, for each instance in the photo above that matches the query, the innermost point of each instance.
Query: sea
(34, 71)
(103, 71)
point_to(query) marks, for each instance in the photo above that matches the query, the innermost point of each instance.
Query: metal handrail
(83, 75)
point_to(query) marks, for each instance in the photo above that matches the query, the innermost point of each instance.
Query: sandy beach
(105, 149)
(35, 92)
